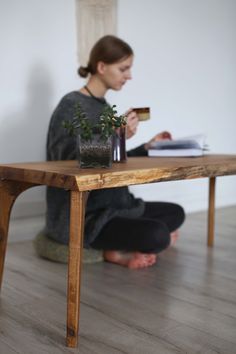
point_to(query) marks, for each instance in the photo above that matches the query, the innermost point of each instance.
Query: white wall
(184, 70)
(37, 66)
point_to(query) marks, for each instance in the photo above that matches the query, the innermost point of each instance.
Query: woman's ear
(101, 67)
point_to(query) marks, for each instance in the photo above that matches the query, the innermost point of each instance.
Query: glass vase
(95, 153)
(119, 145)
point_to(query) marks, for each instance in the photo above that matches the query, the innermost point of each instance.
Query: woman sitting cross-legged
(130, 231)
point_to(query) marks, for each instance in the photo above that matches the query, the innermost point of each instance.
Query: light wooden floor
(186, 303)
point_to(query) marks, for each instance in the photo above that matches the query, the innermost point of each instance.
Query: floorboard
(186, 303)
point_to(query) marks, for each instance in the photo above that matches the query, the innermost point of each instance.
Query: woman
(129, 231)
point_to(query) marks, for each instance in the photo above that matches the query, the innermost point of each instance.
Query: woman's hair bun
(83, 71)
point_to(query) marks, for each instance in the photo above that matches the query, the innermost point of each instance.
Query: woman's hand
(132, 123)
(160, 136)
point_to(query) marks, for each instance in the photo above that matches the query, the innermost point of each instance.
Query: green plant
(109, 121)
(79, 122)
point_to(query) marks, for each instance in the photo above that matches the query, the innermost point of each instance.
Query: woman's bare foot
(132, 260)
(174, 237)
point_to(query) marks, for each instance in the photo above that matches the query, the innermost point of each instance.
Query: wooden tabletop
(137, 170)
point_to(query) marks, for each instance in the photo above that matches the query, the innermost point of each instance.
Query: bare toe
(132, 260)
(173, 237)
(141, 260)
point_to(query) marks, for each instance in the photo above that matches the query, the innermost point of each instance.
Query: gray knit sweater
(103, 204)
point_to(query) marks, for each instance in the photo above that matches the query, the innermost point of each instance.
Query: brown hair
(108, 49)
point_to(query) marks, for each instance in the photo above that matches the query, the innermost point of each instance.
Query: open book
(190, 146)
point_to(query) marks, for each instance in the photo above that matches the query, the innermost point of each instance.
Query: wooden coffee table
(18, 177)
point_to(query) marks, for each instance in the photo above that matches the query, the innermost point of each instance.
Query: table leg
(9, 190)
(211, 212)
(77, 212)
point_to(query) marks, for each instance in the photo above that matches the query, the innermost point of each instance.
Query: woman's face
(114, 76)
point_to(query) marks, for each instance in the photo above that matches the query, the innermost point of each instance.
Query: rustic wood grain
(137, 170)
(66, 174)
(9, 190)
(77, 210)
(211, 212)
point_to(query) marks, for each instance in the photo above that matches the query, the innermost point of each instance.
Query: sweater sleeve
(60, 145)
(138, 151)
